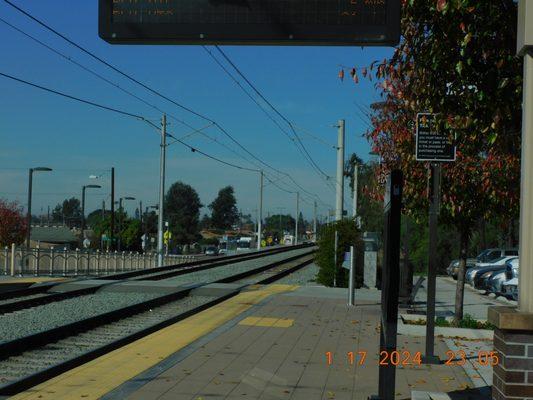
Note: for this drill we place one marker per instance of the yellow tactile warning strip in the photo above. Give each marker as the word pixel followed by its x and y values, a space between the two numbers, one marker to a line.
pixel 267 322
pixel 34 279
pixel 103 374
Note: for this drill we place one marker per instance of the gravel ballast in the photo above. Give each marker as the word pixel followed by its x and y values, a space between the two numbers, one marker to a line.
pixel 47 316
pixel 215 274
pixel 305 276
pixel 33 361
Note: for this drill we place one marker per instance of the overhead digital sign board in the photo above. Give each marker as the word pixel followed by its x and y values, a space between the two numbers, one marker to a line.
pixel 251 22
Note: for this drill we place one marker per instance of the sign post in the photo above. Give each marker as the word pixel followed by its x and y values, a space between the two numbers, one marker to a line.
pixel 390 283
pixel 435 147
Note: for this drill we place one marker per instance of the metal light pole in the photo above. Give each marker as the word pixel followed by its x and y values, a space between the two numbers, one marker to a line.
pixel 355 183
pixel 340 173
pixel 121 213
pixel 314 222
pixel 260 217
pixel 83 205
pixel 297 217
pixel 30 184
pixel 161 191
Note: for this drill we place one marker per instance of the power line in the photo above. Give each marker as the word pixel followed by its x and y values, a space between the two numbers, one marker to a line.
pixel 157 93
pixel 131 78
pixel 289 123
pixel 139 117
pixel 73 97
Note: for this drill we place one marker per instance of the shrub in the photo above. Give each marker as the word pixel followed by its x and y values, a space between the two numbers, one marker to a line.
pixel 348 235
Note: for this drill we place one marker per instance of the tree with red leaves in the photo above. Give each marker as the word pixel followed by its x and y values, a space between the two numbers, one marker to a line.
pixel 12 223
pixel 457 60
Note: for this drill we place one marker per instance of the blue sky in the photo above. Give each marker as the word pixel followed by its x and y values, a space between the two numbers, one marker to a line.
pixel 76 140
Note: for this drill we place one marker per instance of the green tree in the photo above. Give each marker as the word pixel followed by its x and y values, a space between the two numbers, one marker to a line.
pixel 68 212
pixel 131 235
pixel 182 210
pixel 276 225
pixel 224 213
pixel 466 72
pixel 348 235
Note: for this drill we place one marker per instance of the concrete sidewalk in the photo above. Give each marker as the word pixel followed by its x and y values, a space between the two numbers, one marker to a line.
pixel 278 350
pixel 475 303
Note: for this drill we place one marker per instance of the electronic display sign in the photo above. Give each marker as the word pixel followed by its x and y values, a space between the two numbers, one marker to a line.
pixel 251 22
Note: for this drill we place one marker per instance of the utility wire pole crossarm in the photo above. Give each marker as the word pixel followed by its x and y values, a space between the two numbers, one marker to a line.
pixel 161 191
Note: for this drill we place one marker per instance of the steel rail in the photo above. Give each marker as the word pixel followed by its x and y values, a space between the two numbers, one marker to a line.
pixel 42 339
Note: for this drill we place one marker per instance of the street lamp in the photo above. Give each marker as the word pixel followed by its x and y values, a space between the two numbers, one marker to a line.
pixel 30 183
pixel 83 205
pixel 120 223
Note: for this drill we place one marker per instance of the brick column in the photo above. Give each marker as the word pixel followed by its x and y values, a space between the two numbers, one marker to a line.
pixel 513 341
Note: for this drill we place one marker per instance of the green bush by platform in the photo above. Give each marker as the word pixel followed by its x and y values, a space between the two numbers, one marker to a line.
pixel 348 235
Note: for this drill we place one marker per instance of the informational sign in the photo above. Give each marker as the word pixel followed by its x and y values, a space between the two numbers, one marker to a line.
pixel 251 22
pixel 346 263
pixel 431 145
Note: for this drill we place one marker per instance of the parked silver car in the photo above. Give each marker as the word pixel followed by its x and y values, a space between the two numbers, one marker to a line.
pixel 481 268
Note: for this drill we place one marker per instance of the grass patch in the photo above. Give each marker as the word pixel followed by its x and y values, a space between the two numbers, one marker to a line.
pixel 467 322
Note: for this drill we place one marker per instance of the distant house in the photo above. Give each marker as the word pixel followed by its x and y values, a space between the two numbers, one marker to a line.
pixel 52 236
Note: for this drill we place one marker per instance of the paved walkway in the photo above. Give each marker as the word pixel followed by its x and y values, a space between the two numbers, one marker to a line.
pixel 278 350
pixel 475 303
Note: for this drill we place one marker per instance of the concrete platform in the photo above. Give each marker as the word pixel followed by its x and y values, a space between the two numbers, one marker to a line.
pixel 266 343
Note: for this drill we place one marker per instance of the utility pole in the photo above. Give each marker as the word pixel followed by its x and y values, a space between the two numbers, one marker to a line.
pixel 28 216
pixel 260 216
pixel 340 172
pixel 103 209
pixel 314 222
pixel 112 227
pixel 161 191
pixel 355 183
pixel 297 217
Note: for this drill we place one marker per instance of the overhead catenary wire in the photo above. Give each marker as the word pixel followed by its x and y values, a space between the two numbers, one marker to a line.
pixel 122 112
pixel 285 119
pixel 145 86
pixel 270 117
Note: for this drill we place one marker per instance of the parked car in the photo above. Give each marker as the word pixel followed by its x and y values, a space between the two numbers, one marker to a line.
pixel 481 279
pixel 493 254
pixel 495 282
pixel 481 268
pixel 453 269
pixel 211 251
pixel 510 289
pixel 511 269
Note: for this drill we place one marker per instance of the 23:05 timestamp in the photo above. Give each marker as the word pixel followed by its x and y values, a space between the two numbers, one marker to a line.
pixel 406 358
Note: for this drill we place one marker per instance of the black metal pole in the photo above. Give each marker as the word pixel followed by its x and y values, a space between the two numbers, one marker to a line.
pixel 119 223
pixel 112 228
pixel 430 357
pixel 82 212
pixel 28 217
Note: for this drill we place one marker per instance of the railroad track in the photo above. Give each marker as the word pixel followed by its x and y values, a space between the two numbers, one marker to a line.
pixel 31 297
pixel 28 361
